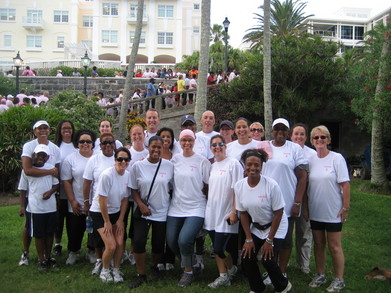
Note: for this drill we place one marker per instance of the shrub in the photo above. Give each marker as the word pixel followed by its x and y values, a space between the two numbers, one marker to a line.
pixel 8 86
pixel 67 71
pixel 16 129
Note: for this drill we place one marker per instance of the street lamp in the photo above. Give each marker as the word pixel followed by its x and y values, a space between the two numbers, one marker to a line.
pixel 85 61
pixel 17 63
pixel 226 23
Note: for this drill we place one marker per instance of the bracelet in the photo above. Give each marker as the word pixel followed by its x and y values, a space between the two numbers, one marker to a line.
pixel 270 242
pixel 345 209
pixel 297 204
pixel 249 240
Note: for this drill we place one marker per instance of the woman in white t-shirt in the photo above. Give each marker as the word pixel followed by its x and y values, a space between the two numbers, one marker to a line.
pixel 220 216
pixel 187 209
pixel 137 150
pixel 244 141
pixel 260 198
pixel 105 126
pixel 328 207
pixel 151 183
pixel 72 170
pixel 108 210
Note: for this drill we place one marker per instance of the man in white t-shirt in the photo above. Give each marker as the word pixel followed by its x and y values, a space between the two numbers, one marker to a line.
pixel 152 120
pixel 208 122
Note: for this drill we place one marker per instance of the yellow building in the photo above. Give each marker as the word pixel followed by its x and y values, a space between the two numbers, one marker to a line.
pixel 45 30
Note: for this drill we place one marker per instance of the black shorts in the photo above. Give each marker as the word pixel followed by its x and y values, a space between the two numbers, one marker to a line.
pixel 99 222
pixel 329 227
pixel 41 225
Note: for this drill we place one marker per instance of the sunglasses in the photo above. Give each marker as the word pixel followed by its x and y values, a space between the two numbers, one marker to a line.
pixel 85 141
pixel 256 130
pixel 120 159
pixel 215 144
pixel 321 137
pixel 108 142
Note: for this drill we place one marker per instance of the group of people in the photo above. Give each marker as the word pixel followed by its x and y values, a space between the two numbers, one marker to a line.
pixel 34 98
pixel 247 194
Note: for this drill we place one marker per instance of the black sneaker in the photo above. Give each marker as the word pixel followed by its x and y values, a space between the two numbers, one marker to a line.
pixel 57 250
pixel 141 279
pixel 51 263
pixel 42 266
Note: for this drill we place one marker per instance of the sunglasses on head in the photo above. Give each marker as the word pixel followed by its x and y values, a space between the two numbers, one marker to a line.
pixel 256 130
pixel 120 159
pixel 321 137
pixel 85 141
pixel 108 142
pixel 215 144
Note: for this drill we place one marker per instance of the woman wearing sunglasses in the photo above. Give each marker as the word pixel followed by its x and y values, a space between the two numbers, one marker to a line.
pixel 257 131
pixel 151 183
pixel 72 170
pixel 328 207
pixel 220 216
pixel 108 210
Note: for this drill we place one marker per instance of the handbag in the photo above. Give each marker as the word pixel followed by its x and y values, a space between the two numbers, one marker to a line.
pixel 137 212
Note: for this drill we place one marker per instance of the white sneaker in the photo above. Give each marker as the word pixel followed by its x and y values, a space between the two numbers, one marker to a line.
pixel 267 280
pixel 232 272
pixel 105 276
pixel 90 256
pixel 118 276
pixel 336 285
pixel 169 267
pixel 72 258
pixel 125 257
pixel 97 267
pixel 160 267
pixel 24 259
pixel 219 282
pixel 131 258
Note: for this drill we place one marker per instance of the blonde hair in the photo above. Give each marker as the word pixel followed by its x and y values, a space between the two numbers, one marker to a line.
pixel 258 124
pixel 323 129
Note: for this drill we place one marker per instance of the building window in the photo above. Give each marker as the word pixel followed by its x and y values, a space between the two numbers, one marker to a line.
pixel 196 29
pixel 166 11
pixel 60 42
pixel 7 41
pixel 359 33
pixel 133 10
pixel 347 32
pixel 88 21
pixel 196 6
pixel 164 38
pixel 61 16
pixel 34 42
pixel 142 37
pixel 34 16
pixel 109 36
pixel 110 8
pixel 7 14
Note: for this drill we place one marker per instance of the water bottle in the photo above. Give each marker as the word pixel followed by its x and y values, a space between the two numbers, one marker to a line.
pixel 89 224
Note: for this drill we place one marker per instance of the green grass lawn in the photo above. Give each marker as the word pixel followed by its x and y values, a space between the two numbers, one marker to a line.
pixel 366 243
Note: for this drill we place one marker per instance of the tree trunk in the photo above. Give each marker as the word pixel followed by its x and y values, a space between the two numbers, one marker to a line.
pixel 378 171
pixel 202 90
pixel 122 132
pixel 267 75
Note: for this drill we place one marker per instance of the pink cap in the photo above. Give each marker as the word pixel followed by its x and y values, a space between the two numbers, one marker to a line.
pixel 186 132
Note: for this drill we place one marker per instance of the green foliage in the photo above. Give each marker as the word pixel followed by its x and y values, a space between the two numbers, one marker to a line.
pixel 16 129
pixel 8 86
pixel 83 112
pixel 67 71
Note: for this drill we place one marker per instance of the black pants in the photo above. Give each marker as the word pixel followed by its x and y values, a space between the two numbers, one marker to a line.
pixel 76 226
pixel 141 229
pixel 252 270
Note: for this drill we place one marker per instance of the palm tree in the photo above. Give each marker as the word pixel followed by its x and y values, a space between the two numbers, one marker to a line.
pixel 286 18
pixel 267 69
pixel 217 33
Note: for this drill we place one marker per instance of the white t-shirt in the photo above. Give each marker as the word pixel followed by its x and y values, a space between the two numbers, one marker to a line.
pixel 235 149
pixel 118 144
pixel 260 202
pixel 137 156
pixel 281 167
pixel 190 174
pixel 308 152
pixel 159 199
pixel 201 146
pixel 95 166
pixel 36 187
pixel 73 169
pixel 54 156
pixel 208 135
pixel 324 191
pixel 66 149
pixel 114 187
pixel 222 179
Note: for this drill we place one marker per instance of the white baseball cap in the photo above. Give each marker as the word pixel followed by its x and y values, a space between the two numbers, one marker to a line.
pixel 39 123
pixel 281 121
pixel 42 148
pixel 10 97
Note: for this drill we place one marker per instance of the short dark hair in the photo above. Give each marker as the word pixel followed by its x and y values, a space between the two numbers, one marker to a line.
pixel 155 138
pixel 122 149
pixel 82 132
pixel 259 153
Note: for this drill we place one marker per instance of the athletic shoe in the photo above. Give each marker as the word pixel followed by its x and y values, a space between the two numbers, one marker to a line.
pixel 141 279
pixel 124 257
pixel 51 263
pixel 24 259
pixel 118 276
pixel 72 258
pixel 219 282
pixel 267 280
pixel 169 267
pixel 97 267
pixel 197 268
pixel 42 266
pixel 336 285
pixel 57 250
pixel 105 276
pixel 161 267
pixel 317 281
pixel 186 280
pixel 232 272
pixel 131 259
pixel 90 256
pixel 156 272
pixel 287 289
